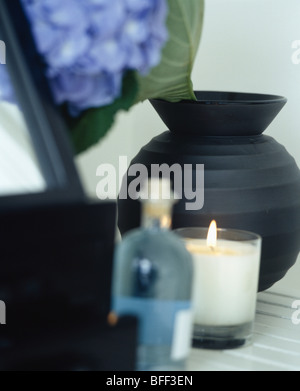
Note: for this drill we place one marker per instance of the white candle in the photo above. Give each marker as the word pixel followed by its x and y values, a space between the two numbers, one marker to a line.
pixel 225 281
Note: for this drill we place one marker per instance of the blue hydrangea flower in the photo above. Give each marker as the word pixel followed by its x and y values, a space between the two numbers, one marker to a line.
pixel 89 45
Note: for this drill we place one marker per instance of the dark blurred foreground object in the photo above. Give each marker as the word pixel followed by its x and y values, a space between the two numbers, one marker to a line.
pixel 56 248
pixel 56 267
pixel 250 181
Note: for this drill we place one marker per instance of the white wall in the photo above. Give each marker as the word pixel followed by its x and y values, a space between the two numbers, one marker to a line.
pixel 246 46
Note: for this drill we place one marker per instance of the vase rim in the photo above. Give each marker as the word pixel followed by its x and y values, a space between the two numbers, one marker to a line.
pixel 230 98
pixel 219 113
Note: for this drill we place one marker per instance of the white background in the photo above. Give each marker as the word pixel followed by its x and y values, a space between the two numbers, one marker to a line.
pixel 246 46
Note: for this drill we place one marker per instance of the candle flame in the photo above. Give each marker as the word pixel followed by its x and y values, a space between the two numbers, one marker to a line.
pixel 212 235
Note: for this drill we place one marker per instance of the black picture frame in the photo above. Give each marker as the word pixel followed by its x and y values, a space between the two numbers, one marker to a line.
pixel 47 128
pixel 56 247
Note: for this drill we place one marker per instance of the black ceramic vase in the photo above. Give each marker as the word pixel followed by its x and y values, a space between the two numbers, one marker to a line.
pixel 250 181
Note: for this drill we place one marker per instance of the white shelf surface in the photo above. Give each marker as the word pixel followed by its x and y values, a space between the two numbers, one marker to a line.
pixel 275 345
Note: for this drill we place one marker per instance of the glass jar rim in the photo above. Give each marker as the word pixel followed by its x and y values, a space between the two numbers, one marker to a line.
pixel 223 233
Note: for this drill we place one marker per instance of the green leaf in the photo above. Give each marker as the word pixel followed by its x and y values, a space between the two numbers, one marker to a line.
pixel 171 79
pixel 95 123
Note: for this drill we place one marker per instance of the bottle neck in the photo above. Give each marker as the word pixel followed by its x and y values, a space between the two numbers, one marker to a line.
pixel 157 215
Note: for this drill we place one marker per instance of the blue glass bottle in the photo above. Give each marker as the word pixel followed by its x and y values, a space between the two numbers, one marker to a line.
pixel 153 281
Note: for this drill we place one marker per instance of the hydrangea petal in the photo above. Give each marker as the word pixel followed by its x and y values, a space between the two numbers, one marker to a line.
pixel 89 45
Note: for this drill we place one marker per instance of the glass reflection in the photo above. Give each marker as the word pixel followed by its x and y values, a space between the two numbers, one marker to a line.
pixel 19 168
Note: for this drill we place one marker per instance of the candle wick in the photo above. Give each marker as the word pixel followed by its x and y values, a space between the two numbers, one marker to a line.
pixel 213 248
